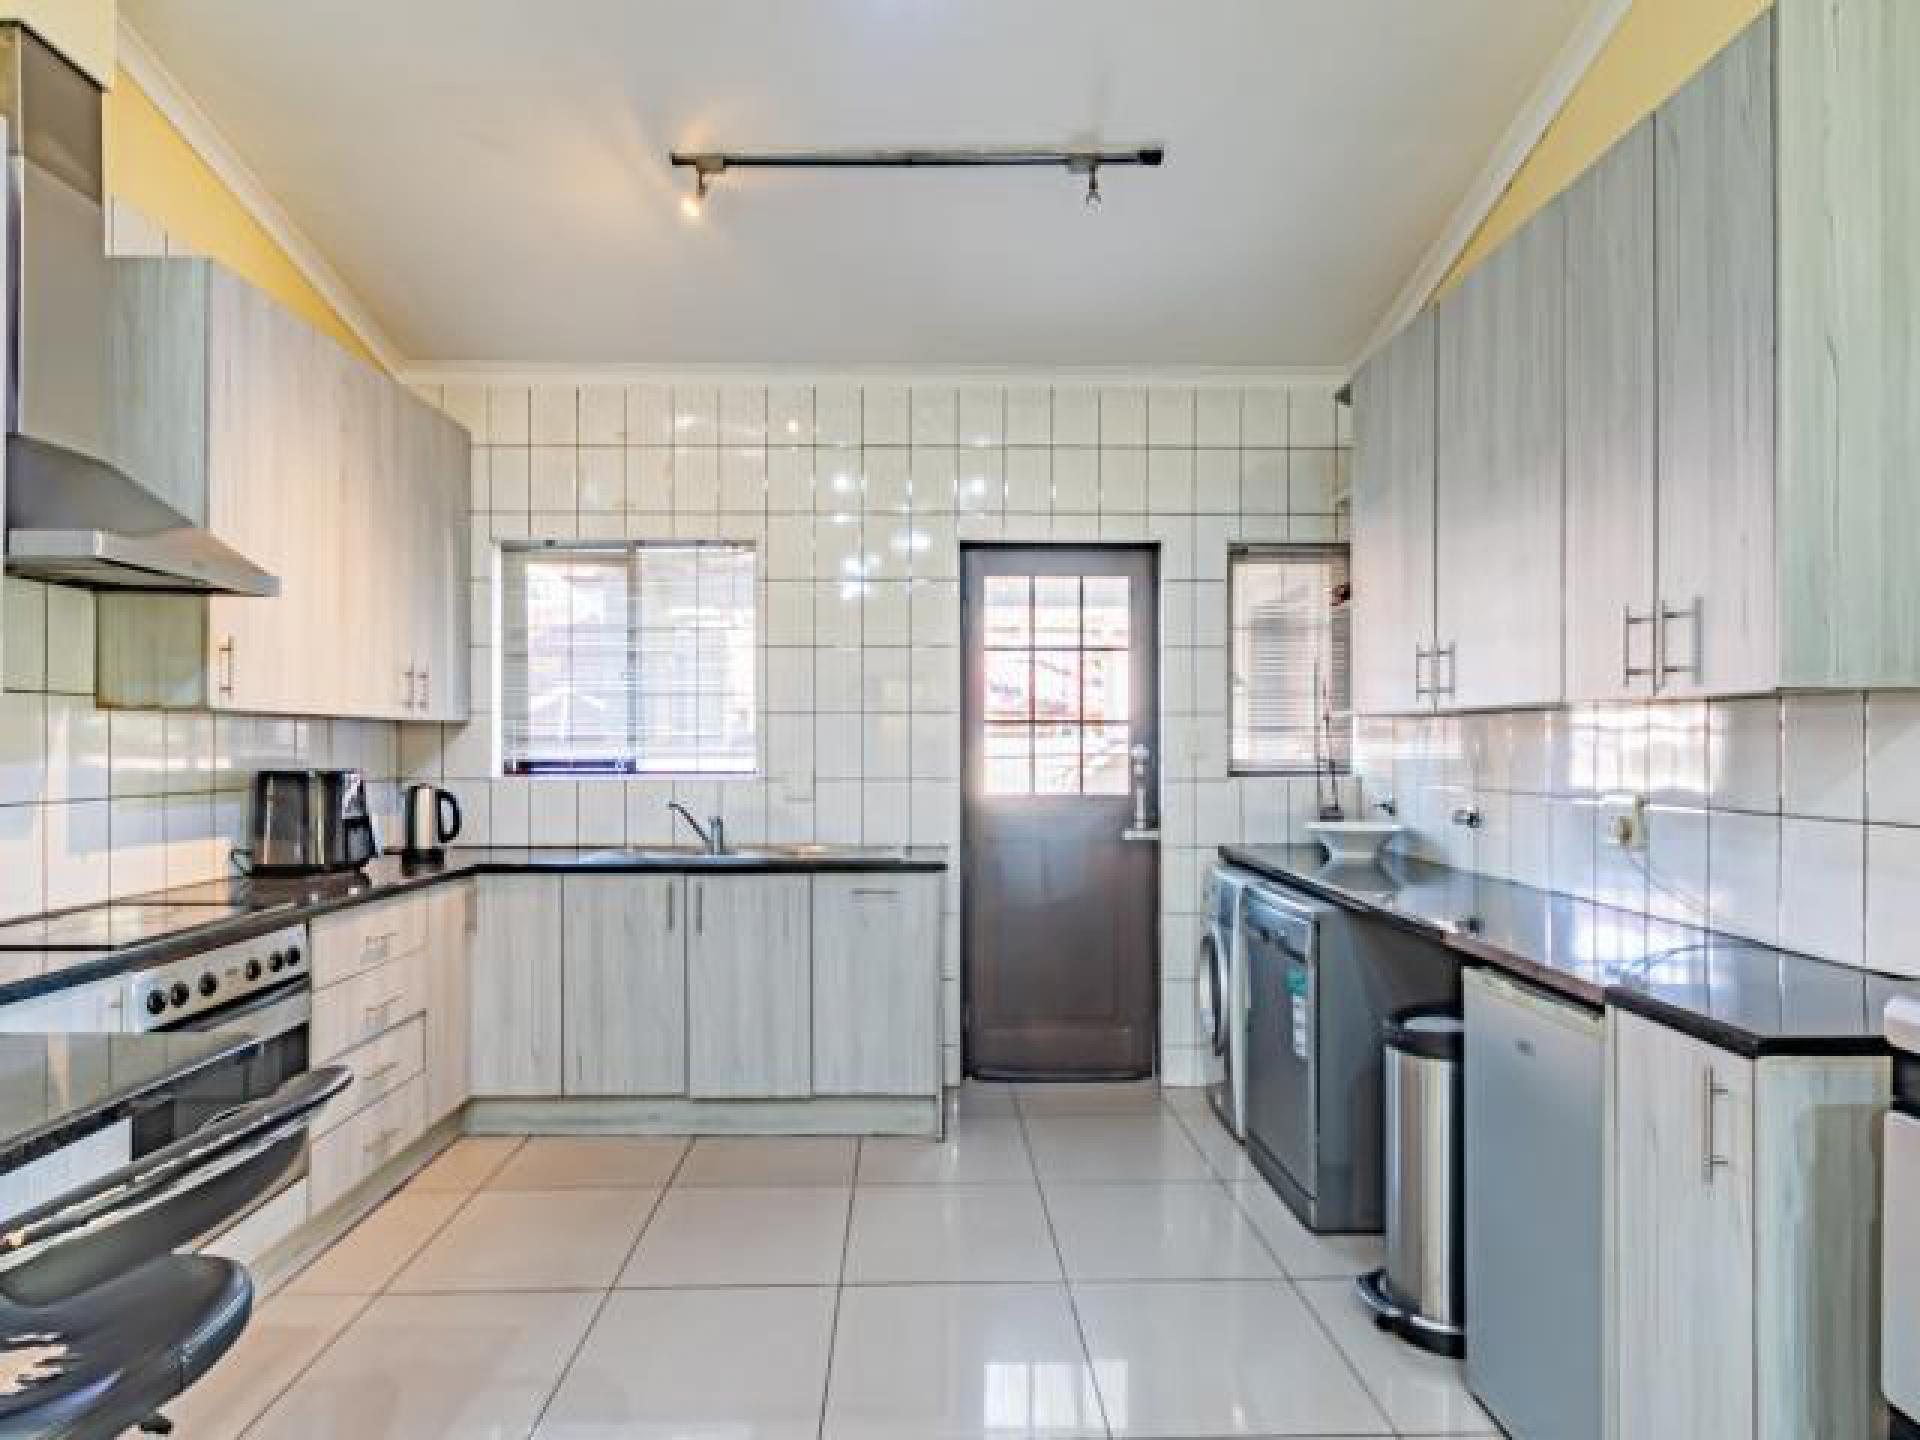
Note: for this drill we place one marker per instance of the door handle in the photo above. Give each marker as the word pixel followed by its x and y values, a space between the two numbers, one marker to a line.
pixel 1711 1092
pixel 1421 690
pixel 226 667
pixel 1629 672
pixel 1144 834
pixel 1452 670
pixel 1667 613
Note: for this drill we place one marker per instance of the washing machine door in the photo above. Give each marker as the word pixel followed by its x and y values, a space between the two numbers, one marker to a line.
pixel 1211 976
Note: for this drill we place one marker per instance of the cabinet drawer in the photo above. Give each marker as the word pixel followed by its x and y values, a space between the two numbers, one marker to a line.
pixel 380 1066
pixel 355 940
pixel 346 1014
pixel 351 1152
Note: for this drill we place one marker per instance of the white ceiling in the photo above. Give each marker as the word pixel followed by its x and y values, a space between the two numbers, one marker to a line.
pixel 490 177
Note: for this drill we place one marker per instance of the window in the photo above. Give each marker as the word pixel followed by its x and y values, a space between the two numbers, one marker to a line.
pixel 1058 692
pixel 627 659
pixel 1289 694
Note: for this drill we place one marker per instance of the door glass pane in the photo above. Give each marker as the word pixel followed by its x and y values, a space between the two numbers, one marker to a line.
pixel 1009 685
pixel 1009 760
pixel 1056 760
pixel 1056 684
pixel 1007 611
pixel 1106 759
pixel 1105 682
pixel 1056 610
pixel 1105 612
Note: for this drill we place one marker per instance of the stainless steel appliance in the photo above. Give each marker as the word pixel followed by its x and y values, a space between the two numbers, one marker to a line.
pixel 1535 1100
pixel 1420 1293
pixel 1900 1237
pixel 92 497
pixel 309 822
pixel 429 818
pixel 1320 985
pixel 1220 994
pixel 259 986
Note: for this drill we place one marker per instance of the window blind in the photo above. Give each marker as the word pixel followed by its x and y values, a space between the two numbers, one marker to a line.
pixel 627 659
pixel 1288 637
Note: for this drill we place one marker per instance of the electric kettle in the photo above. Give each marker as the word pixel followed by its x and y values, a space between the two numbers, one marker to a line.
pixel 429 818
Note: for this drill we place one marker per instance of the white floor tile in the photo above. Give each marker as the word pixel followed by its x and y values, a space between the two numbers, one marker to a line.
pixel 468 1163
pixel 768 1160
pixel 1225 1156
pixel 959 1361
pixel 975 1152
pixel 1088 1098
pixel 560 1162
pixel 1301 1253
pixel 741 1235
pixel 981 1100
pixel 1422 1394
pixel 949 1232
pixel 1179 1231
pixel 364 1260
pixel 1146 1146
pixel 280 1341
pixel 532 1240
pixel 677 1364
pixel 1218 1358
pixel 432 1367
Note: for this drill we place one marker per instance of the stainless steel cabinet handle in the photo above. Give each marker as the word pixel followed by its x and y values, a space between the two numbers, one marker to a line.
pixel 1711 1092
pixel 1452 670
pixel 426 688
pixel 1420 688
pixel 226 667
pixel 699 909
pixel 407 697
pixel 1668 614
pixel 671 887
pixel 1629 672
pixel 877 894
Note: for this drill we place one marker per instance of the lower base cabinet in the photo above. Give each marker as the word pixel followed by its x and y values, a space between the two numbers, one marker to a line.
pixel 749 987
pixel 624 1018
pixel 515 987
pixel 876 991
pixel 1746 1224
pixel 452 921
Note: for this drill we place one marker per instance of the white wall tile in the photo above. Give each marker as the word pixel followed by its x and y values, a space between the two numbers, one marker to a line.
pixel 743 415
pixel 1743 873
pixel 25 640
pixel 22 860
pixel 1676 859
pixel 78 752
pixel 556 415
pixel 1170 416
pixel 696 415
pixel 70 640
pixel 1823 756
pixel 1217 417
pixel 1893 899
pixel 1823 886
pixel 935 415
pixel 1893 758
pixel 1263 417
pixel 886 415
pixel 1029 415
pixel 23 749
pixel 508 420
pixel 837 415
pixel 1076 481
pixel 1743 755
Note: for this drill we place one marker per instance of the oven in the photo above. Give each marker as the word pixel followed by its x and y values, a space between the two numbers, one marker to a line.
pixel 259 987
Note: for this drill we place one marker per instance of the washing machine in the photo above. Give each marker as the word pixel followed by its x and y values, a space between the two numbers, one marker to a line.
pixel 1220 994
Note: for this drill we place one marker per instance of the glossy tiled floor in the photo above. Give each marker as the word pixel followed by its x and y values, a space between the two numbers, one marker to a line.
pixel 1073 1261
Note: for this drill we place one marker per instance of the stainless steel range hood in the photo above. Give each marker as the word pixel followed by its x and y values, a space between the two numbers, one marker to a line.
pixel 76 512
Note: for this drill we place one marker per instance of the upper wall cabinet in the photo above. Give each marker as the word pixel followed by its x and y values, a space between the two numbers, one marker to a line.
pixel 327 474
pixel 1739 319
pixel 1497 510
pixel 1392 505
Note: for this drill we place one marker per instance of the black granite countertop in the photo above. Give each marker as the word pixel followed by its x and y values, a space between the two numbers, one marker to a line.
pixel 1743 996
pixel 236 909
pixel 56 1089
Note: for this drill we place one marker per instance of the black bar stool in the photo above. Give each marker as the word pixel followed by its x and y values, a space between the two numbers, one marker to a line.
pixel 100 1322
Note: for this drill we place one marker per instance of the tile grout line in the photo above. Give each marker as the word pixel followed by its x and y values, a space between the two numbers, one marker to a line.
pixel 839 1288
pixel 613 1286
pixel 1060 1259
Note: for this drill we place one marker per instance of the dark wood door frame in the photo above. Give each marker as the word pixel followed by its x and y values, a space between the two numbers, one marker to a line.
pixel 1060 915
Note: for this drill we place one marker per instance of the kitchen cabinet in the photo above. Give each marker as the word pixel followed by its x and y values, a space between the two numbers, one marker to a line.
pixel 100 1006
pixel 515 987
pixel 876 1000
pixel 1611 586
pixel 452 919
pixel 1500 402
pixel 624 1029
pixel 749 987
pixel 1713 247
pixel 1745 1215
pixel 328 474
pixel 1392 521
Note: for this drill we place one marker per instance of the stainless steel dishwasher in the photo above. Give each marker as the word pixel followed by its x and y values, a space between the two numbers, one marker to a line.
pixel 1535 1088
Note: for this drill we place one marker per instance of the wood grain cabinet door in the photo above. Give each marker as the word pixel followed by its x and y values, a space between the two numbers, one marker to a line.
pixel 625 1015
pixel 876 984
pixel 749 987
pixel 516 987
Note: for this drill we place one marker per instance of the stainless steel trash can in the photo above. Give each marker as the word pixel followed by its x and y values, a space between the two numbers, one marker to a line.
pixel 1420 1292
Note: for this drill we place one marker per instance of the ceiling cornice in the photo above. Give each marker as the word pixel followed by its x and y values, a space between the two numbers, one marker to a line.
pixel 472 373
pixel 1596 26
pixel 200 132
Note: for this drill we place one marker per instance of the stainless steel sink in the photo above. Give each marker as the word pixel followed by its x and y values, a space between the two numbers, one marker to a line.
pixel 694 857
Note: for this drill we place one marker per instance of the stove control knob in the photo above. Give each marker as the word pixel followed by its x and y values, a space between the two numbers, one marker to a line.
pixel 156 1002
pixel 254 969
pixel 293 956
pixel 277 963
pixel 208 984
pixel 179 993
